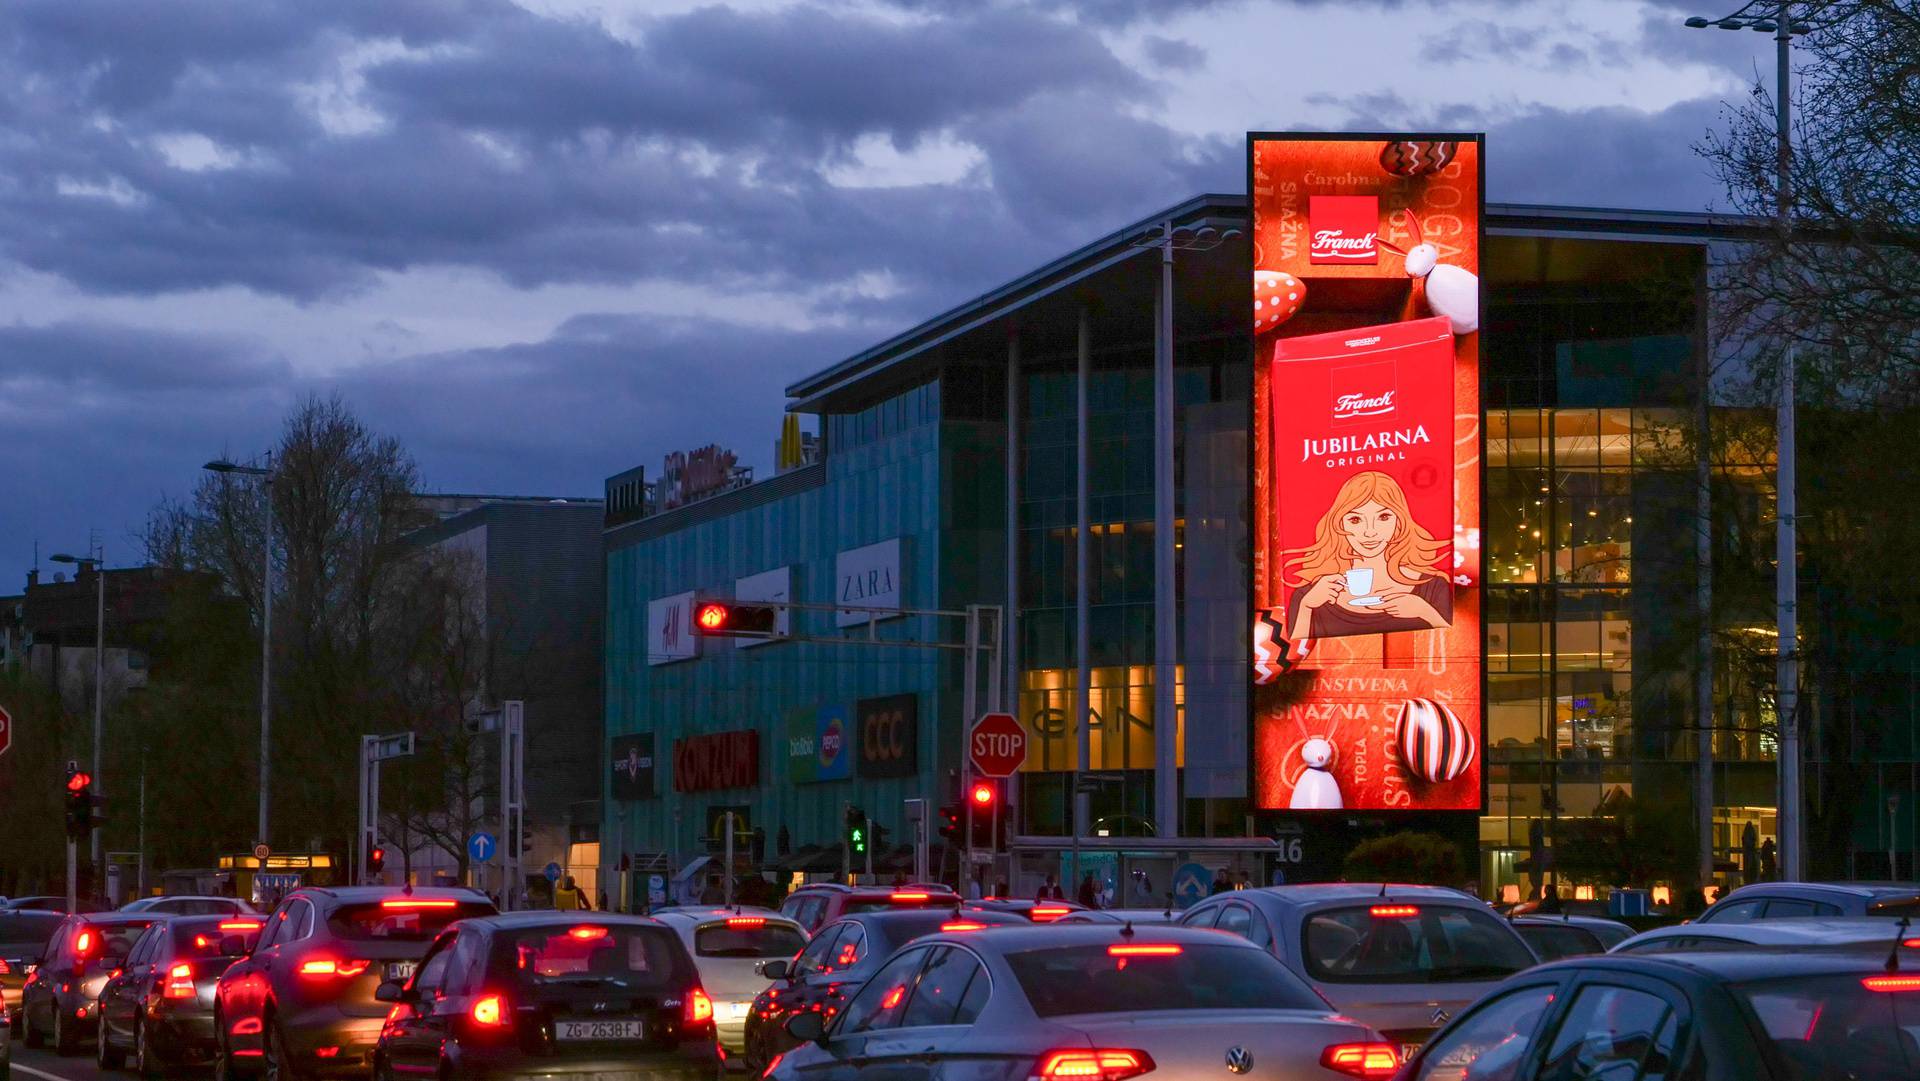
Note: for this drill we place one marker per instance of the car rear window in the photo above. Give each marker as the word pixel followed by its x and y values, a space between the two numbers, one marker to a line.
pixel 1838 1026
pixel 889 904
pixel 1909 907
pixel 1554 942
pixel 26 929
pixel 1393 942
pixel 740 937
pixel 206 938
pixel 574 953
pixel 400 919
pixel 1092 979
pixel 116 939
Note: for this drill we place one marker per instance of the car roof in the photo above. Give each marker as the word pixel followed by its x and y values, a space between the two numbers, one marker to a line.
pixel 1799 930
pixel 34 913
pixel 549 917
pixel 876 891
pixel 1733 965
pixel 1018 938
pixel 1337 892
pixel 709 914
pixel 1867 890
pixel 1535 919
pixel 110 919
pixel 353 895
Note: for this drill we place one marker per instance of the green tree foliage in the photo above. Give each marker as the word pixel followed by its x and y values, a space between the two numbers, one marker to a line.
pixel 1413 858
pixel 1630 840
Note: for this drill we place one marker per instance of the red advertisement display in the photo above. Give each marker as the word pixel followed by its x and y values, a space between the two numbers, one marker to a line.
pixel 1366 458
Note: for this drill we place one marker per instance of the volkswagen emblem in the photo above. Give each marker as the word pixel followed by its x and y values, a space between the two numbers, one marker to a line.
pixel 1439 1016
pixel 1239 1060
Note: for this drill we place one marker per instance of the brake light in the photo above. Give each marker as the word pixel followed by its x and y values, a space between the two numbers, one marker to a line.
pixel 327 966
pixel 83 943
pixel 1149 949
pixel 5 969
pixel 1365 1060
pixel 180 982
pixel 903 896
pixel 1098 1065
pixel 699 1007
pixel 416 902
pixel 962 925
pixel 1048 913
pixel 1911 943
pixel 1891 983
pixel 588 933
pixel 201 942
pixel 747 921
pixel 239 925
pixel 488 1011
pixel 773 1064
pixel 1393 912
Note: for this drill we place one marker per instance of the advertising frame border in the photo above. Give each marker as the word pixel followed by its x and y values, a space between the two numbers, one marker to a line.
pixel 1479 139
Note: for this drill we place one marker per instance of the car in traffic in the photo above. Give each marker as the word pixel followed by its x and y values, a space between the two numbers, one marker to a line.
pixel 302 1001
pixel 157 1007
pixel 1403 959
pixel 1789 900
pixel 1709 1016
pixel 51 904
pixel 188 905
pixel 1142 917
pixel 1033 911
pixel 1555 938
pixel 817 904
pixel 23 938
pixel 729 947
pixel 60 1001
pixel 837 961
pixel 546 994
pixel 1092 1001
pixel 1820 933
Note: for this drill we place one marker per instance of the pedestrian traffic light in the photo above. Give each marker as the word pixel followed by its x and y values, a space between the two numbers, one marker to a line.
pixel 79 803
pixel 951 816
pixel 721 619
pixel 856 831
pixel 376 859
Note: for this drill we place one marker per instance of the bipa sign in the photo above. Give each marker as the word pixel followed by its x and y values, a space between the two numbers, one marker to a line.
pixel 1346 229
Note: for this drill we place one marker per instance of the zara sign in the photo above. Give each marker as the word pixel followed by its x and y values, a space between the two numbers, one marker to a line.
pixel 867 577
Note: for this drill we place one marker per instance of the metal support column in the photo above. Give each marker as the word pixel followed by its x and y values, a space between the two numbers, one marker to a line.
pixel 1703 801
pixel 1083 586
pixel 513 797
pixel 1787 581
pixel 1166 779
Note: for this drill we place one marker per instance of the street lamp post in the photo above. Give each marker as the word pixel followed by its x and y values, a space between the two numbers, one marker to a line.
pixel 265 473
pixel 1787 571
pixel 98 561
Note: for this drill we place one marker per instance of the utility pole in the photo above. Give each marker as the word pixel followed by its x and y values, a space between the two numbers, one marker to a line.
pixel 1787 582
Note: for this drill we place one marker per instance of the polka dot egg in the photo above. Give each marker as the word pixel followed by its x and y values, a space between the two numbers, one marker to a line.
pixel 1277 295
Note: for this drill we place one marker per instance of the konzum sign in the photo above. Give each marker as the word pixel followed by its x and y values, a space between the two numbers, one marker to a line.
pixel 720 760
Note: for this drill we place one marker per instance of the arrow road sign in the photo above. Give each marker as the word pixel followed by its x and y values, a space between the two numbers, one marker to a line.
pixel 552 872
pixel 481 846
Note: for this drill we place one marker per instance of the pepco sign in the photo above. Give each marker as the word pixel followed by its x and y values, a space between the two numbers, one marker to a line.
pixel 720 760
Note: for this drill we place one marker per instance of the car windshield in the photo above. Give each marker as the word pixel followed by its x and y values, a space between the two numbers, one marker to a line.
pixel 27 930
pixel 1132 976
pixel 588 953
pixel 1864 1028
pixel 1554 941
pixel 401 919
pixel 747 936
pixel 1393 942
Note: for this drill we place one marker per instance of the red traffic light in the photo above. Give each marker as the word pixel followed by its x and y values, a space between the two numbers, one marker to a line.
pixel 982 794
pixel 712 617
pixel 79 782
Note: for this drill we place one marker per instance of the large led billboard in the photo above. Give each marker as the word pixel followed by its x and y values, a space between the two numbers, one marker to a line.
pixel 1366 472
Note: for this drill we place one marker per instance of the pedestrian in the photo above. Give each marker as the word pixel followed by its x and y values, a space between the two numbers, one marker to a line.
pixel 568 897
pixel 1050 890
pixel 1088 895
pixel 603 900
pixel 1220 883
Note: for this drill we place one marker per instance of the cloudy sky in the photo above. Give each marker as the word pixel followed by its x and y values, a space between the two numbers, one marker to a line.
pixel 546 240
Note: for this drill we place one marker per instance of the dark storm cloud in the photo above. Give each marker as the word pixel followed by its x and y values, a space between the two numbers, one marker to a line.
pixel 1173 54
pixel 62 358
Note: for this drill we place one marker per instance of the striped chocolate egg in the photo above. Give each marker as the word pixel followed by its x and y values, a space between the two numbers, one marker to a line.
pixel 1434 743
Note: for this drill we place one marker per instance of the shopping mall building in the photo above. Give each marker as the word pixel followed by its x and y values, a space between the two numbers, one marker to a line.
pixel 1027 449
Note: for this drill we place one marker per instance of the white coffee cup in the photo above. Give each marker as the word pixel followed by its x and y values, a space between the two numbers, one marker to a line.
pixel 1360 582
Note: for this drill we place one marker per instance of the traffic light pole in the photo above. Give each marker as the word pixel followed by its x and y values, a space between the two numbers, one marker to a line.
pixel 73 876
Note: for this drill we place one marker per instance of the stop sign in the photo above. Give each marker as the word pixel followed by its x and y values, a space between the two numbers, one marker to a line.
pixel 6 730
pixel 997 745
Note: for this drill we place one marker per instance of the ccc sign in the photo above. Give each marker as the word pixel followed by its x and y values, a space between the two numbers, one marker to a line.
pixel 889 735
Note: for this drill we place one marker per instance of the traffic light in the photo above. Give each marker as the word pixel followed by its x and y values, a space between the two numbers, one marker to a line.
pixel 951 817
pixel 376 859
pixel 983 795
pixel 722 619
pixel 79 803
pixel 857 831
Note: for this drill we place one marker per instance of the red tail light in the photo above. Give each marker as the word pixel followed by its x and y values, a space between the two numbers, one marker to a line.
pixel 327 966
pixel 240 925
pixel 83 943
pixel 699 1007
pixel 773 1064
pixel 1911 943
pixel 417 902
pixel 180 982
pixel 1093 1065
pixel 489 1011
pixel 1393 912
pixel 1364 1060
pixel 587 934
pixel 1048 913
pixel 903 896
pixel 1146 949
pixel 962 925
pixel 747 921
pixel 1891 983
pixel 5 969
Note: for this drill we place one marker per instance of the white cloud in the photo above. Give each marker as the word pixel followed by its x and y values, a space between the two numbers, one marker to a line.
pixel 875 162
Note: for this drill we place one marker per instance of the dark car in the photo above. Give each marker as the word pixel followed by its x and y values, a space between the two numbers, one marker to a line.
pixel 158 1006
pixel 821 903
pixel 191 905
pixel 1033 911
pixel 1717 1016
pixel 1555 938
pixel 837 961
pixel 302 1002
pixel 1787 900
pixel 23 938
pixel 1091 1001
pixel 60 999
pixel 551 995
pixel 50 904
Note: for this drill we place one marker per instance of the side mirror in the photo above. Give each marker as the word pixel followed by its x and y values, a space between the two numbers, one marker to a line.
pixel 392 991
pixel 807 1027
pixel 775 970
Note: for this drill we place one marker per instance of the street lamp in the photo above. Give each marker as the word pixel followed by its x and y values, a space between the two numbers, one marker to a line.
pixel 98 562
pixel 265 473
pixel 1786 575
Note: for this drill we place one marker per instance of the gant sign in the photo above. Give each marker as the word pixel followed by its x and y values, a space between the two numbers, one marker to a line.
pixel 867 577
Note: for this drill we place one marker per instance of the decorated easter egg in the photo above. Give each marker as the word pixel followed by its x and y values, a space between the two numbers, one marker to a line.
pixel 1434 743
pixel 1277 295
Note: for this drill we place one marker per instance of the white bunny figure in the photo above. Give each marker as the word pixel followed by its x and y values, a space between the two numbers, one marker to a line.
pixel 1451 291
pixel 1316 790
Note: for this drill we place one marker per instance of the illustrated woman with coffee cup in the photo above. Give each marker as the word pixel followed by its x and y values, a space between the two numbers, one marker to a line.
pixel 1370 569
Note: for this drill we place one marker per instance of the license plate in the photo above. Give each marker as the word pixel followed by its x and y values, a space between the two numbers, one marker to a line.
pixel 401 970
pixel 599 1030
pixel 1408 1050
pixel 735 1011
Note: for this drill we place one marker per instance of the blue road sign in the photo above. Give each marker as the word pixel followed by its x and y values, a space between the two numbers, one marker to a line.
pixel 1190 884
pixel 481 846
pixel 552 872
